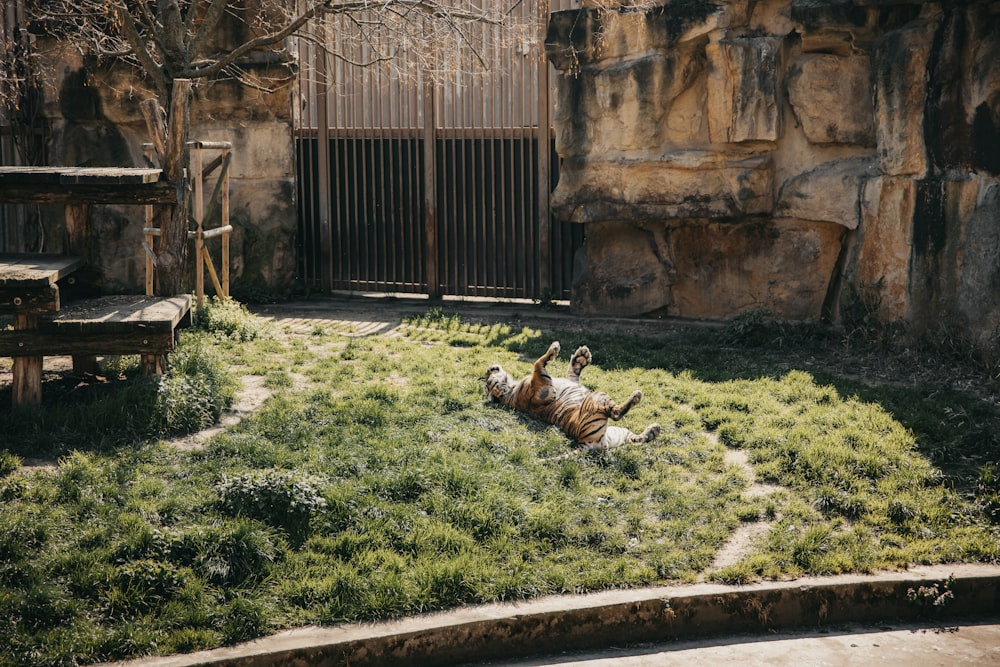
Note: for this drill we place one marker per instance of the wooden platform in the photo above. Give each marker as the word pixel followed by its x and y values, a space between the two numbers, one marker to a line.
pixel 94 185
pixel 28 282
pixel 106 325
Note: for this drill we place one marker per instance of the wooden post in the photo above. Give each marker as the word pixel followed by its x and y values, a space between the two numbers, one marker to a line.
pixel 225 223
pixel 149 251
pixel 199 213
pixel 152 364
pixel 78 243
pixel 27 371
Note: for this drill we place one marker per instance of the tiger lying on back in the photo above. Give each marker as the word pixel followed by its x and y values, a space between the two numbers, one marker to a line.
pixel 580 413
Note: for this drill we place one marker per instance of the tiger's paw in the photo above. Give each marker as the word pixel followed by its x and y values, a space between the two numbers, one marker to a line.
pixel 581 358
pixel 651 433
pixel 553 350
pixel 635 398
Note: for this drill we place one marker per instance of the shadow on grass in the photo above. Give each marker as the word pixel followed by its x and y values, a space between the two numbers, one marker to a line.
pixel 958 432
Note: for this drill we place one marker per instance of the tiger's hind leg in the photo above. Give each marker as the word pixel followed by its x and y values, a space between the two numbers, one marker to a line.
pixel 580 360
pixel 620 411
pixel 616 436
pixel 544 360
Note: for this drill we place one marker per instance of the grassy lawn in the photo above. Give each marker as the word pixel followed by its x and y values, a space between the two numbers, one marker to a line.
pixel 376 482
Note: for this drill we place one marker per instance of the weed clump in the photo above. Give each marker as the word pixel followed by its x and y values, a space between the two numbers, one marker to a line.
pixel 282 498
pixel 230 319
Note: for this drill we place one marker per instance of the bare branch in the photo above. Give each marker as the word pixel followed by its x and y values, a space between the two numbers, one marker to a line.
pixel 135 41
pixel 216 10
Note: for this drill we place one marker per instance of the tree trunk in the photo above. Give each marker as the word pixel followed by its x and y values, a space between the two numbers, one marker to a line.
pixel 170 143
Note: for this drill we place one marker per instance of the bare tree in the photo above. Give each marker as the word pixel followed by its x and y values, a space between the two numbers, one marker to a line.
pixel 176 43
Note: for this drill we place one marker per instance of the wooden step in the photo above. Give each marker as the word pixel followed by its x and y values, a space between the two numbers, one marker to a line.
pixel 28 282
pixel 121 324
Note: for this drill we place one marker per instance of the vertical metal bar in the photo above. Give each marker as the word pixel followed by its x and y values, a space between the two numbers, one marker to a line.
pixel 323 166
pixel 376 221
pixel 505 159
pixel 485 88
pixel 458 266
pixel 544 156
pixel 430 192
pixel 342 169
pixel 391 173
pixel 465 219
pixel 413 255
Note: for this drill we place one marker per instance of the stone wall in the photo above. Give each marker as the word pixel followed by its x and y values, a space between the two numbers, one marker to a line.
pixel 789 155
pixel 94 117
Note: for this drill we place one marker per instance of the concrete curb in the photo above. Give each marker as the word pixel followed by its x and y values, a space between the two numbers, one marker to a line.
pixel 570 623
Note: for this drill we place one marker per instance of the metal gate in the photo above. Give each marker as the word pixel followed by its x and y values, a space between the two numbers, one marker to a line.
pixel 436 185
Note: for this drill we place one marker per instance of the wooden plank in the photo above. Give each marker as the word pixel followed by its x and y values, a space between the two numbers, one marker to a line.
pixel 120 314
pixel 32 344
pixel 160 192
pixel 36 270
pixel 36 299
pixel 217 145
pixel 78 175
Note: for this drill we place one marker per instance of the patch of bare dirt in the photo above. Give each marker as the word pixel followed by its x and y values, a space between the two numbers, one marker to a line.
pixel 746 537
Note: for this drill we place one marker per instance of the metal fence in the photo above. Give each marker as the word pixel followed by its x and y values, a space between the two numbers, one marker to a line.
pixel 432 182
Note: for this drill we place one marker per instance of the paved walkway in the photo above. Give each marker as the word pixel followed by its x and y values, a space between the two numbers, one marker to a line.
pixel 973 643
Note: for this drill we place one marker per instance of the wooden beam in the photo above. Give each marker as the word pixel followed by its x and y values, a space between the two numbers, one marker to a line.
pixel 30 344
pixel 55 193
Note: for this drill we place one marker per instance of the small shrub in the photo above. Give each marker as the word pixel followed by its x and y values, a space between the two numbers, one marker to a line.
pixel 244 619
pixel 230 319
pixel 195 392
pixel 281 498
pixel 9 463
pixel 237 552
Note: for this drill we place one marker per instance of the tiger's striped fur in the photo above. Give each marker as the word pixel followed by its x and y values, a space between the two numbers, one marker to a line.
pixel 578 412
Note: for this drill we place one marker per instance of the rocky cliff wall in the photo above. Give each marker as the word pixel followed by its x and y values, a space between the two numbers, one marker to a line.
pixel 789 155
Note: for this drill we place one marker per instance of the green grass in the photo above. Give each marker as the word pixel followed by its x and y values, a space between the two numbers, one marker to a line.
pixel 377 483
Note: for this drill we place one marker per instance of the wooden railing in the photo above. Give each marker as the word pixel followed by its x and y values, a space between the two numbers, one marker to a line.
pixel 218 205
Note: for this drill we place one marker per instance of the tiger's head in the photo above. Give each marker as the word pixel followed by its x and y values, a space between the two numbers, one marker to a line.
pixel 499 384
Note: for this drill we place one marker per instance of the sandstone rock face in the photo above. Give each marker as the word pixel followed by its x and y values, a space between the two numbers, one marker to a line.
pixel 627 105
pixel 701 269
pixel 784 154
pixel 977 286
pixel 685 184
pixel 743 89
pixel 829 193
pixel 900 69
pixel 882 269
pixel 818 83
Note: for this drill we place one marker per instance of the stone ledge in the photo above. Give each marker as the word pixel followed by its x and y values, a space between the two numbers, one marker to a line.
pixel 561 623
pixel 681 184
